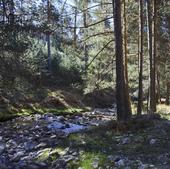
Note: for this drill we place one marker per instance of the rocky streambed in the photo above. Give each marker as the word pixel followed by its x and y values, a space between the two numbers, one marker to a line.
pixel 78 142
pixel 24 139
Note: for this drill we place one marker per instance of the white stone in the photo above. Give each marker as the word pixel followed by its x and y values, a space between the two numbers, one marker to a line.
pixel 49 119
pixel 120 163
pixel 60 118
pixel 152 141
pixel 2 148
pixel 74 128
pixel 18 155
pixel 142 166
pixel 110 158
pixel 126 140
pixel 95 164
pixel 55 125
pixel 127 167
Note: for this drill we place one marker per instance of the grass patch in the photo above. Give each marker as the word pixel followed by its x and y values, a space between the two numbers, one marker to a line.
pixel 42 100
pixel 50 154
pixel 25 112
pixel 134 107
pixel 89 160
pixel 7 115
pixel 164 111
pixel 98 145
pixel 56 152
pixel 44 155
pixel 93 141
pixel 56 111
pixel 64 111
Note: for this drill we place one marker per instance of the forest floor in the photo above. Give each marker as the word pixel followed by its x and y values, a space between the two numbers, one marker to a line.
pixel 44 100
pixel 57 131
pixel 46 141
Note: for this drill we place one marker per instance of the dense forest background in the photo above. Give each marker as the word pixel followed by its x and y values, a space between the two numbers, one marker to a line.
pixel 84 84
pixel 71 44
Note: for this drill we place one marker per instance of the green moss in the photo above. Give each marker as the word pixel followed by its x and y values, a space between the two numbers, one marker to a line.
pixel 61 111
pixel 56 111
pixel 58 150
pixel 87 159
pixel 44 155
pixel 165 115
pixel 25 112
pixel 76 137
pixel 87 142
pixel 6 114
pixel 50 154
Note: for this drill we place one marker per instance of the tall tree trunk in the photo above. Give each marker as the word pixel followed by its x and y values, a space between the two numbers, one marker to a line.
pixel 11 14
pixel 123 107
pixel 125 48
pixel 49 51
pixel 140 89
pixel 158 87
pixel 48 36
pixel 125 39
pixel 167 92
pixel 85 44
pixel 154 52
pixel 4 11
pixel 152 99
pixel 75 28
pixel 158 56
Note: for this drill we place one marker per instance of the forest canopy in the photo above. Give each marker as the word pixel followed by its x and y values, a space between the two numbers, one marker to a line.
pixel 90 45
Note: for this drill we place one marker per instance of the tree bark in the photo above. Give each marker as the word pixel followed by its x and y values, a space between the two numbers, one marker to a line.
pixel 154 52
pixel 125 39
pixel 11 14
pixel 125 48
pixel 167 92
pixel 122 95
pixel 85 44
pixel 158 87
pixel 48 36
pixel 4 11
pixel 140 87
pixel 75 29
pixel 49 51
pixel 152 99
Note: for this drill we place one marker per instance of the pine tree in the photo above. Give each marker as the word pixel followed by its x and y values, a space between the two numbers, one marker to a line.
pixel 122 95
pixel 140 87
pixel 152 95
